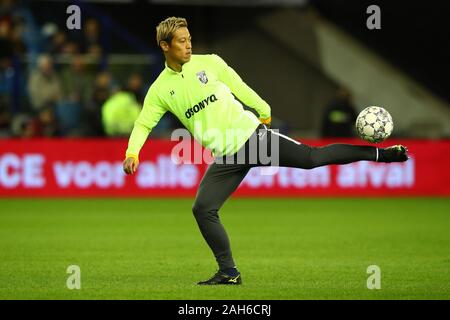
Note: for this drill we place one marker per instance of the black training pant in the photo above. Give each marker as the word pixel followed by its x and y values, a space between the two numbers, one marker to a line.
pixel 222 178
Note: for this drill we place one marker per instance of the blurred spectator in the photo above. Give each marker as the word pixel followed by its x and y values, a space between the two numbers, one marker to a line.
pixel 96 59
pixel 135 85
pixel 45 124
pixel 17 32
pixel 44 84
pixel 76 82
pixel 102 88
pixel 17 38
pixel 5 117
pixel 91 36
pixel 6 87
pixel 6 74
pixel 339 116
pixel 22 126
pixel 70 48
pixel 57 43
pixel 6 44
pixel 92 113
pixel 11 29
pixel 24 34
pixel 42 125
pixel 119 113
pixel 76 91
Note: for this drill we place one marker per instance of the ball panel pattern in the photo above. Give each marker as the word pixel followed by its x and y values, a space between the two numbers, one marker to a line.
pixel 374 124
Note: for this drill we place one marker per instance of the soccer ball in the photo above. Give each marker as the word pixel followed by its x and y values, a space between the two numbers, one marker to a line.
pixel 374 124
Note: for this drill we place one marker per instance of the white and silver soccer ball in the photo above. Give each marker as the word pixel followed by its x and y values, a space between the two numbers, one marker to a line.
pixel 374 124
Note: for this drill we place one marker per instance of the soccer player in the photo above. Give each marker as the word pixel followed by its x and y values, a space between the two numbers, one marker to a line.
pixel 198 90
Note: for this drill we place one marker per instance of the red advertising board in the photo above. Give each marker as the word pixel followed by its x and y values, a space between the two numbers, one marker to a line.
pixel 93 167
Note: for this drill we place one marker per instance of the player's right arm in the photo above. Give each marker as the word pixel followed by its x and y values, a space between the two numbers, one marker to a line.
pixel 149 116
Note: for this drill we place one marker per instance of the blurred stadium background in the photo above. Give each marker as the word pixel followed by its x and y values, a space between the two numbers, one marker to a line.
pixel 68 100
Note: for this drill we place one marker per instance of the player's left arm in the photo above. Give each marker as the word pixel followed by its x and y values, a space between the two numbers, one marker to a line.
pixel 241 90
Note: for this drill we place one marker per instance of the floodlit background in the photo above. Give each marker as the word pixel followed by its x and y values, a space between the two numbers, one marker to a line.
pixel 296 234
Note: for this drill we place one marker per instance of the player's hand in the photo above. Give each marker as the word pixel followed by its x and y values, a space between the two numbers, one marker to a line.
pixel 130 165
pixel 266 121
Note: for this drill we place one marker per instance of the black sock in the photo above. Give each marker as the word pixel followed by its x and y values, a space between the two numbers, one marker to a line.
pixel 381 155
pixel 232 272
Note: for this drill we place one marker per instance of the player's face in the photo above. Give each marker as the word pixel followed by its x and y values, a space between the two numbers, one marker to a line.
pixel 180 49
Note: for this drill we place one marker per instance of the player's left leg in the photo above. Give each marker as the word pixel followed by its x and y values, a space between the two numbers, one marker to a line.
pixel 292 153
pixel 218 183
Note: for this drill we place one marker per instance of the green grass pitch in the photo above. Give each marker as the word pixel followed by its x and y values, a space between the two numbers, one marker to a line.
pixel 286 249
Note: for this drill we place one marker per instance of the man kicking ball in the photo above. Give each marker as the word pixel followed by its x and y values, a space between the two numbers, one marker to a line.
pixel 198 90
